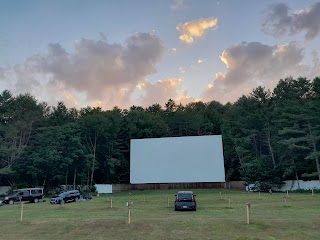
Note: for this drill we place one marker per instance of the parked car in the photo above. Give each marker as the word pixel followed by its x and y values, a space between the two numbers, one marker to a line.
pixel 185 200
pixel 26 194
pixel 87 197
pixel 64 197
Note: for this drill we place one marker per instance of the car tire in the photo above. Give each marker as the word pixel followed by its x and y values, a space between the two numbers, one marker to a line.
pixel 11 201
pixel 35 200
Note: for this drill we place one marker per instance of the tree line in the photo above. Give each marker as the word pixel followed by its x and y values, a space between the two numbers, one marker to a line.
pixel 268 137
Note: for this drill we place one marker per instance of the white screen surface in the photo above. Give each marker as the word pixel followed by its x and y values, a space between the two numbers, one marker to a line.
pixel 177 160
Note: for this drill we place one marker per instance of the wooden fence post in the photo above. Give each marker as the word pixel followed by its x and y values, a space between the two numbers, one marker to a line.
pixel 21 211
pixel 130 205
pixel 129 214
pixel 248 212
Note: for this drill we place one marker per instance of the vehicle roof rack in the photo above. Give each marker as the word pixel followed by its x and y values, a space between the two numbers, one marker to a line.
pixel 28 189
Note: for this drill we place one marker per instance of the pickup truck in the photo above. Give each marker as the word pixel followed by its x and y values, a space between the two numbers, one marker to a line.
pixel 26 194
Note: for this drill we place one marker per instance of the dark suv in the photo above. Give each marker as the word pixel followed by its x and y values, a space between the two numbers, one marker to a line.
pixel 185 200
pixel 64 197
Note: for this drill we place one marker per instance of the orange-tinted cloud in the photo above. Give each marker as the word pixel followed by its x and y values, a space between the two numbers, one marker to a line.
pixel 186 38
pixel 163 90
pixel 249 65
pixel 195 29
pixel 96 72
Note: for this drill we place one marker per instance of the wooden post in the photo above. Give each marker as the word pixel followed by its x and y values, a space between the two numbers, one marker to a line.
pixel 229 201
pixel 287 194
pixel 111 202
pixel 129 214
pixel 220 196
pixel 312 193
pixel 248 212
pixel 144 198
pixel 167 201
pixel 21 212
pixel 259 195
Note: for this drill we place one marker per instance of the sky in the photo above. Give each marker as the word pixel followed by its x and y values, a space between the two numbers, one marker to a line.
pixel 123 52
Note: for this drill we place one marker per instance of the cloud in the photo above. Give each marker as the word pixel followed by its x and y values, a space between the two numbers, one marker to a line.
pixel 161 91
pixel 182 70
pixel 279 21
pixel 177 5
pixel 184 98
pixel 195 29
pixel 2 73
pixel 172 50
pixel 249 65
pixel 96 71
pixel 315 70
pixel 186 38
pixel 71 100
pixel 26 79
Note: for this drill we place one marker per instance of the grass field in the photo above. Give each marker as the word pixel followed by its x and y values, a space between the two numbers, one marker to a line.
pixel 271 217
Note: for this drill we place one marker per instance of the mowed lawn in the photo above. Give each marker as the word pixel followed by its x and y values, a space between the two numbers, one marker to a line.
pixel 151 218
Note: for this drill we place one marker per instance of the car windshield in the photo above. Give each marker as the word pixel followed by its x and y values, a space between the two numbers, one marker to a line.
pixel 63 194
pixel 184 196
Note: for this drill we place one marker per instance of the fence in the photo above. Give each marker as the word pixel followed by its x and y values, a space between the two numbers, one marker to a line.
pixel 292 185
pixel 295 185
pixel 238 185
pixel 164 186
